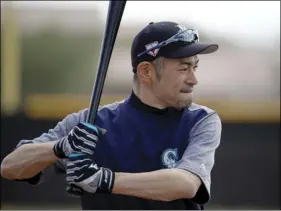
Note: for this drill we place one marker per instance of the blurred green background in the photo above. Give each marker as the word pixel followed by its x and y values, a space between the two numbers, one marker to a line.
pixel 49 54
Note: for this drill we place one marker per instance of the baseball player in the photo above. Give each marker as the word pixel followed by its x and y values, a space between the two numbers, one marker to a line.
pixel 153 150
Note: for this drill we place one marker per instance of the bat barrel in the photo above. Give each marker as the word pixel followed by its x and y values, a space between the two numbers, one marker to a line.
pixel 115 12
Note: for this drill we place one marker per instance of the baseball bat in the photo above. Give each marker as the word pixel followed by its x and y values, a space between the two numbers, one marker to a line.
pixel 114 16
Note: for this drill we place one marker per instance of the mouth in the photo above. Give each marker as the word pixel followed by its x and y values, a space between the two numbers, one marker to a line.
pixel 186 91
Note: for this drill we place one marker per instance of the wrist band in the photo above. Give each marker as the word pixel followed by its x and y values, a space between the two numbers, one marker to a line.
pixel 107 181
pixel 58 149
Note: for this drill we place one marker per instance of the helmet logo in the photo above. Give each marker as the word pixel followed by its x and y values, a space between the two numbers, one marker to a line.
pixel 154 52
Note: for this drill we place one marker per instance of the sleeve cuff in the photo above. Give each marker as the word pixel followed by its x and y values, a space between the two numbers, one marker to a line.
pixel 203 194
pixel 33 180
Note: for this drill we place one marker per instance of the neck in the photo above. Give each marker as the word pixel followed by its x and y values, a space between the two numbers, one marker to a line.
pixel 147 97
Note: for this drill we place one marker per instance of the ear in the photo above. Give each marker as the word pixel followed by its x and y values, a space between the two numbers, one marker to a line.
pixel 145 71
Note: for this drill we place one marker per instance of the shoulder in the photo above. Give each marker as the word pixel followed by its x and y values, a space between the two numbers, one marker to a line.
pixel 199 111
pixel 200 108
pixel 197 114
pixel 103 111
pixel 115 106
pixel 82 114
pixel 207 118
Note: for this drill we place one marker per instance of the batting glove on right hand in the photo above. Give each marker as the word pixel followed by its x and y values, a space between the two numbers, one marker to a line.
pixel 83 138
pixel 82 172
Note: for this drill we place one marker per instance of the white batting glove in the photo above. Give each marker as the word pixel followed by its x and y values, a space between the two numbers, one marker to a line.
pixel 83 172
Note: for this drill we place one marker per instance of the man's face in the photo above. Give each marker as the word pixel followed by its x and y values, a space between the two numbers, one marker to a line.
pixel 175 82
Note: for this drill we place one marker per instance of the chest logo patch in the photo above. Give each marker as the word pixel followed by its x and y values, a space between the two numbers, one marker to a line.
pixel 170 158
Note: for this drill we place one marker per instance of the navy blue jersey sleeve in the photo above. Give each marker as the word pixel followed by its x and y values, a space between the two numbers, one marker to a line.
pixel 199 157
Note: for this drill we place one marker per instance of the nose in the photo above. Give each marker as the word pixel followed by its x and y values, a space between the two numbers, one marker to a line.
pixel 191 78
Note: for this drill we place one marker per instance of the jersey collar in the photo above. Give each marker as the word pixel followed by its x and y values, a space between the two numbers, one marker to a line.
pixel 138 104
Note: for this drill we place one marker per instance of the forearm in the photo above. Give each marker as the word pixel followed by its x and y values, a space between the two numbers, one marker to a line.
pixel 28 160
pixel 162 185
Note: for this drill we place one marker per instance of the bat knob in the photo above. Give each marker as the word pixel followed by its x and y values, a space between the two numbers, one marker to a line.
pixel 74 190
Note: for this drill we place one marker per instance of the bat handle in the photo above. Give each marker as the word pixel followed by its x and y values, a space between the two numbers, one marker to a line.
pixel 74 190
